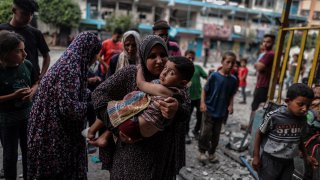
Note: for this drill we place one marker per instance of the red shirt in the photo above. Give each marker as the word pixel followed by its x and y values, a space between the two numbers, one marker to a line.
pixel 109 48
pixel 243 72
pixel 264 76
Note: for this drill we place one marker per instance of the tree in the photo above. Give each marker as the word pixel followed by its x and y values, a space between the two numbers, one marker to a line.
pixel 63 14
pixel 123 22
pixel 5 11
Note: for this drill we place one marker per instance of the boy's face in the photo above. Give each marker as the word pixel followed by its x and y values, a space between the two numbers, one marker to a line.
pixel 299 106
pixel 190 56
pixel 228 63
pixel 163 33
pixel 21 16
pixel 243 63
pixel 170 76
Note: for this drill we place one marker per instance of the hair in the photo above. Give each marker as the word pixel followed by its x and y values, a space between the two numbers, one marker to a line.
pixel 117 31
pixel 184 66
pixel 8 42
pixel 299 89
pixel 27 5
pixel 189 51
pixel 229 53
pixel 160 24
pixel 134 29
pixel 245 60
pixel 273 37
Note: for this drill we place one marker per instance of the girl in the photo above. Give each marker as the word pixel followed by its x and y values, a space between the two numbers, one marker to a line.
pixel 18 83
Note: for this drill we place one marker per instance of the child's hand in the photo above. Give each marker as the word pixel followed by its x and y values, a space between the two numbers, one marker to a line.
pixel 313 162
pixel 230 109
pixel 203 107
pixel 256 163
pixel 91 134
pixel 168 107
pixel 29 96
pixel 21 93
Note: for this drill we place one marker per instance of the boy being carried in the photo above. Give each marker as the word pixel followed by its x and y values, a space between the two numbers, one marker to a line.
pixel 175 76
pixel 280 136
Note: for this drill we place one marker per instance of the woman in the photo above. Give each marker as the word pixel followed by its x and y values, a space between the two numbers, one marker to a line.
pixel 130 54
pixel 56 148
pixel 162 155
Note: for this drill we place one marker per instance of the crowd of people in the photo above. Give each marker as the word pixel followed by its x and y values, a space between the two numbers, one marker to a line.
pixel 138 94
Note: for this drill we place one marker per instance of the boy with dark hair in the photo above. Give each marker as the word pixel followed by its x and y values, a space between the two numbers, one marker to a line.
pixel 280 136
pixel 216 101
pixel 195 94
pixel 161 28
pixel 110 47
pixel 23 11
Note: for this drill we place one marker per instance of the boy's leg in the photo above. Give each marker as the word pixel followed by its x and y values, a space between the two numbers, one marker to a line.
pixel 198 116
pixel 10 151
pixel 243 91
pixel 23 146
pixel 288 170
pixel 270 168
pixel 189 119
pixel 205 133
pixel 217 123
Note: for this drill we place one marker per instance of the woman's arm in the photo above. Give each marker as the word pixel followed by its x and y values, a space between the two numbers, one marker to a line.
pixel 151 88
pixel 17 94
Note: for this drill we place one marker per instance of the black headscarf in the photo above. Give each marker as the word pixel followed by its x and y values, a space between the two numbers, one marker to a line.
pixel 145 47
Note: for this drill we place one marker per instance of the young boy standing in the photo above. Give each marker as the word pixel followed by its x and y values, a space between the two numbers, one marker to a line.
pixel 216 100
pixel 195 95
pixel 280 136
pixel 243 72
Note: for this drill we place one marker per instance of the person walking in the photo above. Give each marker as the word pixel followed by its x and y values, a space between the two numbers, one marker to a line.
pixel 195 95
pixel 216 101
pixel 162 155
pixel 56 148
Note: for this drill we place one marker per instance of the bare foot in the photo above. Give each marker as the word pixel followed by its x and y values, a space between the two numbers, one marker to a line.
pixel 99 142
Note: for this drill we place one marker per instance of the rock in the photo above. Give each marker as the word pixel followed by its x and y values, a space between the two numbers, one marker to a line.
pixel 189 169
pixel 205 173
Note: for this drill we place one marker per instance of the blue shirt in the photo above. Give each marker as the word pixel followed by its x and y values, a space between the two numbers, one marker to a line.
pixel 219 89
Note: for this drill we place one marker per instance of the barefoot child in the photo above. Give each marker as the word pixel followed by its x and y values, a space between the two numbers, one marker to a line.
pixel 280 136
pixel 176 74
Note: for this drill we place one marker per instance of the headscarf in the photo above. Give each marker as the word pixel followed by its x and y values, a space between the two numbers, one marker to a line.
pixel 78 56
pixel 145 47
pixel 124 57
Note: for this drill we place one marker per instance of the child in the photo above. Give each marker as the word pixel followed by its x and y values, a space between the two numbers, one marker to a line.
pixel 279 136
pixel 175 76
pixel 312 132
pixel 243 72
pixel 17 86
pixel 195 94
pixel 216 100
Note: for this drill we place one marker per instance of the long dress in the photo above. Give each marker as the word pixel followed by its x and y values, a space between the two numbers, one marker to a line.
pixel 158 157
pixel 56 148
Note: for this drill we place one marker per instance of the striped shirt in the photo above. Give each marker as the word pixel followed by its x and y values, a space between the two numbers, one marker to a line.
pixel 282 132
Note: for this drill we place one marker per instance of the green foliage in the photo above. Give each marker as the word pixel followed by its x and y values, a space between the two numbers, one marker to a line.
pixel 5 11
pixel 63 13
pixel 297 37
pixel 123 22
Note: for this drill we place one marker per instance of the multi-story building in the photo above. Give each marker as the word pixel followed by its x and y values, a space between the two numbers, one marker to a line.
pixel 221 25
pixel 311 9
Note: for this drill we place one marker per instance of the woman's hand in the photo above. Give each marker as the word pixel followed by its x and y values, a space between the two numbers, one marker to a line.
pixel 168 107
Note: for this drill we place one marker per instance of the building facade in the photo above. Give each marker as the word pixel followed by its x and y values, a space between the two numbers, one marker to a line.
pixel 237 25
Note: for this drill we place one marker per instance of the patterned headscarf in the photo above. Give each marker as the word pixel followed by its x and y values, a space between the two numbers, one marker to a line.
pixel 124 57
pixel 78 56
pixel 145 47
